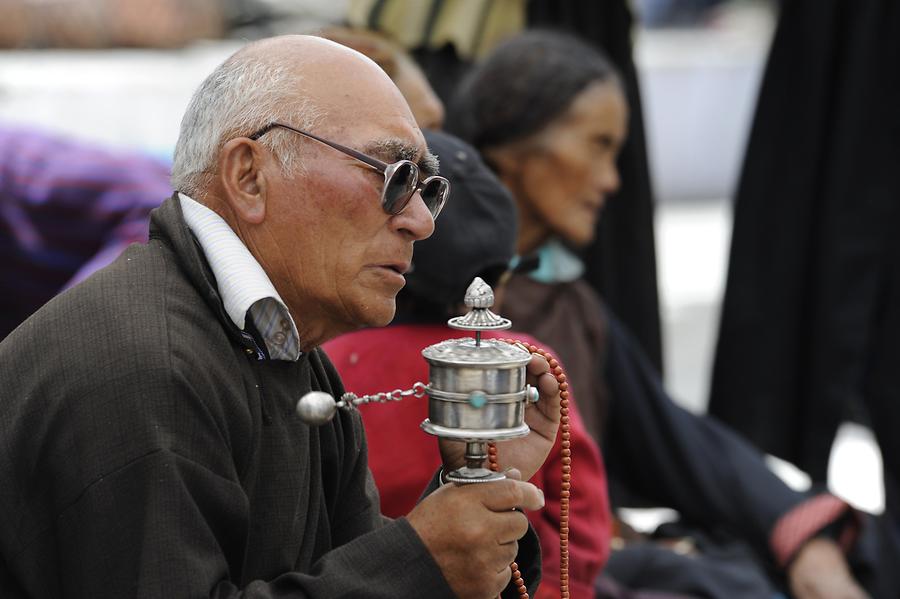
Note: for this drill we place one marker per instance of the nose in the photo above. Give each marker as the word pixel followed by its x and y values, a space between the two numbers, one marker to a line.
pixel 415 219
pixel 608 179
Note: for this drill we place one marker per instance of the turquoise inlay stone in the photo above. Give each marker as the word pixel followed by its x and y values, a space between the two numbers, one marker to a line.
pixel 477 399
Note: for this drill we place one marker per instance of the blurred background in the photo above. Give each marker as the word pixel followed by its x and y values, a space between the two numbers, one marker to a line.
pixel 120 73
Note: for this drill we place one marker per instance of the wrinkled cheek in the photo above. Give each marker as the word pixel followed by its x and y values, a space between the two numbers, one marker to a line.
pixel 360 294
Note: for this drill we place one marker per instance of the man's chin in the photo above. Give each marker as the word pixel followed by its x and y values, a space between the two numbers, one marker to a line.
pixel 380 316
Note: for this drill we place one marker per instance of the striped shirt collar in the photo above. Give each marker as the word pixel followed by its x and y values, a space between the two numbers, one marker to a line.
pixel 243 284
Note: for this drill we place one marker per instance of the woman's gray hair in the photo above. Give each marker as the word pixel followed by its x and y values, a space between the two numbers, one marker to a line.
pixel 526 83
pixel 237 99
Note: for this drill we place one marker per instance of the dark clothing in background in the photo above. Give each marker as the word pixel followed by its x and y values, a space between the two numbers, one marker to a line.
pixel 810 327
pixel 664 455
pixel 147 449
pixel 571 314
pixel 607 588
pixel 678 459
pixel 719 568
pixel 810 323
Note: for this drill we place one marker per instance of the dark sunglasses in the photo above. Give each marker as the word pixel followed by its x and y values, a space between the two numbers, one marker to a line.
pixel 401 179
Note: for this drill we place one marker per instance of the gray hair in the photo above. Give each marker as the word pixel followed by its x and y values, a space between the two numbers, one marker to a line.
pixel 237 99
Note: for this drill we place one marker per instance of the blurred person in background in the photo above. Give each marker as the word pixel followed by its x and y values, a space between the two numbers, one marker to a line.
pixel 67 208
pixel 159 24
pixel 548 113
pixel 476 237
pixel 110 23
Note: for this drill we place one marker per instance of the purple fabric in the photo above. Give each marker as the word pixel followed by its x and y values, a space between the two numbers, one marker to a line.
pixel 67 208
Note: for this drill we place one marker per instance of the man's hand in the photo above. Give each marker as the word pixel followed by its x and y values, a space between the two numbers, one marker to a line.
pixel 526 454
pixel 820 572
pixel 472 531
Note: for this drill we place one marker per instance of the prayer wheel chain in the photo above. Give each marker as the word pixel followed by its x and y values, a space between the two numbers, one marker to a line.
pixel 557 371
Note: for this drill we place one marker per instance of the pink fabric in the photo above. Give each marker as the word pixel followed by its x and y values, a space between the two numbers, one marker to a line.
pixel 799 525
pixel 403 458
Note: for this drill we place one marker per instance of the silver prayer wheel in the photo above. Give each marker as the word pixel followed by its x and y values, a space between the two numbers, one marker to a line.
pixel 476 389
pixel 476 392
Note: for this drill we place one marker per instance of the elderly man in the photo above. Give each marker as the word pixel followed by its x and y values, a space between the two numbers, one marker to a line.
pixel 148 443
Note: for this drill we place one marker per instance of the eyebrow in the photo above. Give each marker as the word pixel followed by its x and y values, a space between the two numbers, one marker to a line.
pixel 429 164
pixel 393 150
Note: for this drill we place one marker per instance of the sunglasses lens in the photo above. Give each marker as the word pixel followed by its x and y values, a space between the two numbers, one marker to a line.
pixel 434 194
pixel 399 187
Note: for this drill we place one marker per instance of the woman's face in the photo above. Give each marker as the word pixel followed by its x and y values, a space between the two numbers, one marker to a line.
pixel 562 175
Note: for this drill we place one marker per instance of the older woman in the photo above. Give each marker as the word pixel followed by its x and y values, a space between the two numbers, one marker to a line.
pixel 547 112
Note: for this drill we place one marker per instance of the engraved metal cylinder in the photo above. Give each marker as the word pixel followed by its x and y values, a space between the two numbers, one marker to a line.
pixel 476 390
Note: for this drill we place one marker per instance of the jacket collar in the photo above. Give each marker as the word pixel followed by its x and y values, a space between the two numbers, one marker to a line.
pixel 168 226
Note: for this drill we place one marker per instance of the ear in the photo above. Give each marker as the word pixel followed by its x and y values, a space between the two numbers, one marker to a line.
pixel 243 179
pixel 506 160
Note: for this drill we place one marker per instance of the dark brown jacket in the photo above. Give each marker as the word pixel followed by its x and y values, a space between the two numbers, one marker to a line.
pixel 147 451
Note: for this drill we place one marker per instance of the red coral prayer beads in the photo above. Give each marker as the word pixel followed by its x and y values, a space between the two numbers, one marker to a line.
pixel 557 371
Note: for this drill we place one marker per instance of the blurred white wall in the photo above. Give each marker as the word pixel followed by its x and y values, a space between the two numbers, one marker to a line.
pixel 699 89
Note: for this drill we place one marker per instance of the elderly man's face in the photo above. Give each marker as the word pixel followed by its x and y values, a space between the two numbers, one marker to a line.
pixel 332 252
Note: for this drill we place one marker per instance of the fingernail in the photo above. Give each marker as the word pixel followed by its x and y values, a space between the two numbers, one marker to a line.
pixel 542 497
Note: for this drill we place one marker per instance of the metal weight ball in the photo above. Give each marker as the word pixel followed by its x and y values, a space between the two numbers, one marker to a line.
pixel 316 408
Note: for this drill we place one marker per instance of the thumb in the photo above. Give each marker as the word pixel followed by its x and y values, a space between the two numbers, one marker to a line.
pixel 513 473
pixel 510 494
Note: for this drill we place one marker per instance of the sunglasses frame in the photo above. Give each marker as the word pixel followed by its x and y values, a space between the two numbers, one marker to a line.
pixel 388 170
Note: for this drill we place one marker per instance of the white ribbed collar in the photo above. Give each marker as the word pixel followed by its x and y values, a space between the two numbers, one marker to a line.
pixel 242 282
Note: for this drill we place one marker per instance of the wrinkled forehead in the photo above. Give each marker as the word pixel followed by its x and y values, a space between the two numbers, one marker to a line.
pixel 361 106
